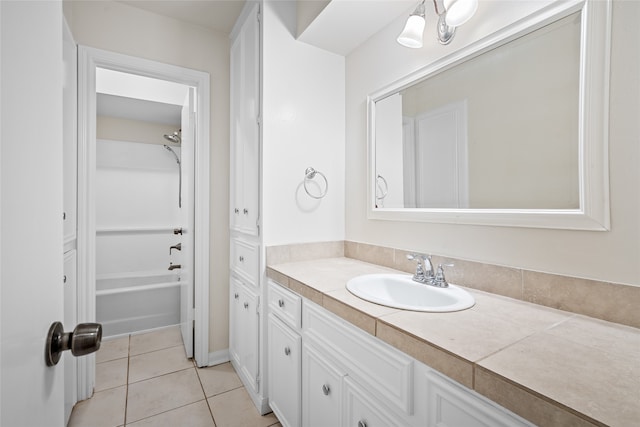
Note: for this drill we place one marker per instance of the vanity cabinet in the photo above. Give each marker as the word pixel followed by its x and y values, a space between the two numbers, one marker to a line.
pixel 347 377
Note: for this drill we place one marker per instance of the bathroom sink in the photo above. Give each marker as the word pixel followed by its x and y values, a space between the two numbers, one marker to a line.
pixel 400 291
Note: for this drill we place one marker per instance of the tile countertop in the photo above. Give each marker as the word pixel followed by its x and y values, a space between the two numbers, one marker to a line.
pixel 549 366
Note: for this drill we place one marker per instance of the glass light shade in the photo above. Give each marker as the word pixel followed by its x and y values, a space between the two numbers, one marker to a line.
pixel 459 11
pixel 411 36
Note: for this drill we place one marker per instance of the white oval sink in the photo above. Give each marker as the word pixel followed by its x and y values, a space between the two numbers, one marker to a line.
pixel 400 291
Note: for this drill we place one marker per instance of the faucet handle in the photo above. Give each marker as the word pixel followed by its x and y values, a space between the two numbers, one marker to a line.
pixel 417 256
pixel 440 281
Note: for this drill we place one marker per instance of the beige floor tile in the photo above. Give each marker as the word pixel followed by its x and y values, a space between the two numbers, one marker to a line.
pixel 161 394
pixel 113 349
pixel 104 409
pixel 235 409
pixel 111 374
pixel 156 363
pixel 157 340
pixel 193 415
pixel 219 379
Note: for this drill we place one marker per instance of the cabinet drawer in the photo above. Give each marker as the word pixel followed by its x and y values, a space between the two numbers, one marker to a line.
pixel 362 411
pixel 285 304
pixel 383 369
pixel 244 260
pixel 451 405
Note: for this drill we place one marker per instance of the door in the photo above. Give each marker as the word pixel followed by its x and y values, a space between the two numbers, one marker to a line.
pixel 441 157
pixel 31 232
pixel 70 191
pixel 187 150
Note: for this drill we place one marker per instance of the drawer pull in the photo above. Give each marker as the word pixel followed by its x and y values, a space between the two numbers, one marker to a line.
pixel 236 295
pixel 326 389
pixel 287 351
pixel 241 258
pixel 280 303
pixel 246 305
pixel 362 423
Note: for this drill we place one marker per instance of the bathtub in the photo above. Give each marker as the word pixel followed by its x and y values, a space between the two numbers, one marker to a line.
pixel 136 302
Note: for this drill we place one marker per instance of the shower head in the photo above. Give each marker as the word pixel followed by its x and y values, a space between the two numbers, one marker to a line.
pixel 174 137
pixel 173 152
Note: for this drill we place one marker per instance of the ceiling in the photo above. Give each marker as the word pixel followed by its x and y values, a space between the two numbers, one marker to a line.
pixel 217 15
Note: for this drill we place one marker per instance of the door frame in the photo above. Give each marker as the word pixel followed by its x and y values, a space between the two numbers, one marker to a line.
pixel 88 60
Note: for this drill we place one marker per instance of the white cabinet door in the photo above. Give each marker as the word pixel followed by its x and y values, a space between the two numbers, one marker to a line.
pixel 284 355
pixel 243 331
pixel 234 319
pixel 361 410
pixel 245 128
pixel 321 390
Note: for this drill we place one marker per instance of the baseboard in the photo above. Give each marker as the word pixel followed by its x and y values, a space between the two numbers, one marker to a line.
pixel 219 357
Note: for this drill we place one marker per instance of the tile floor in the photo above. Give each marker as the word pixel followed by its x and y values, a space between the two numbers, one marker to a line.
pixel 146 380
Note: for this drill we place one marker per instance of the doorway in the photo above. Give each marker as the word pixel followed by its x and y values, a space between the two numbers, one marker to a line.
pixel 134 193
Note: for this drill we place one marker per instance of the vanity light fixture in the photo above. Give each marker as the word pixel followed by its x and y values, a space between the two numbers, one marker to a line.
pixel 451 14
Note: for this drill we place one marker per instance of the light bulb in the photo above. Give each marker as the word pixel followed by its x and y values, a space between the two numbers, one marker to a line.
pixel 411 36
pixel 459 11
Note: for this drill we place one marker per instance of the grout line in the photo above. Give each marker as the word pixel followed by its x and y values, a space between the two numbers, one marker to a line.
pixel 205 396
pixel 126 395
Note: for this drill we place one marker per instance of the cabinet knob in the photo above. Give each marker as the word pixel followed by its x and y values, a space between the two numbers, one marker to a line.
pixel 236 295
pixel 64 279
pixel 246 305
pixel 241 258
pixel 236 210
pixel 280 303
pixel 362 423
pixel 246 211
pixel 287 351
pixel 326 389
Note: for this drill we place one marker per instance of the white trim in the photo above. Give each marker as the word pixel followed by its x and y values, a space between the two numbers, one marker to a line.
pixel 88 59
pixel 594 212
pixel 219 357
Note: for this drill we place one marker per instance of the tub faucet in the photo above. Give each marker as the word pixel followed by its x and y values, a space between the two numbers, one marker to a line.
pixel 177 247
pixel 174 266
pixel 424 269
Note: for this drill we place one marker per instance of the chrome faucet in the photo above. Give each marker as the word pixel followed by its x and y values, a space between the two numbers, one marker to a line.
pixel 424 269
pixel 174 266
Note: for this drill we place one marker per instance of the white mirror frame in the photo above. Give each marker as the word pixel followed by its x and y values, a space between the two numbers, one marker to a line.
pixel 593 213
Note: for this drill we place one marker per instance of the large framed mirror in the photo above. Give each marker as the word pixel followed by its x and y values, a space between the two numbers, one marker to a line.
pixel 511 130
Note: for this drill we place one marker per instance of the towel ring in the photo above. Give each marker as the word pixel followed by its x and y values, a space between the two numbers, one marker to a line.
pixel 309 174
pixel 383 191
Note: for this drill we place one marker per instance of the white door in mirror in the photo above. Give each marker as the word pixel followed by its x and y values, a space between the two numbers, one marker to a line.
pixel 400 291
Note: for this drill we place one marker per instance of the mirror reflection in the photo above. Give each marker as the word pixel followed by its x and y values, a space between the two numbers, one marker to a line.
pixel 498 131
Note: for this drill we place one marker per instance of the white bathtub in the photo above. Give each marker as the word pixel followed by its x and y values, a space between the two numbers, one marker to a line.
pixel 137 302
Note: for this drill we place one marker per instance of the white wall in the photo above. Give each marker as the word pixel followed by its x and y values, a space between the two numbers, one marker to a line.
pixel 303 108
pixel 610 256
pixel 120 28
